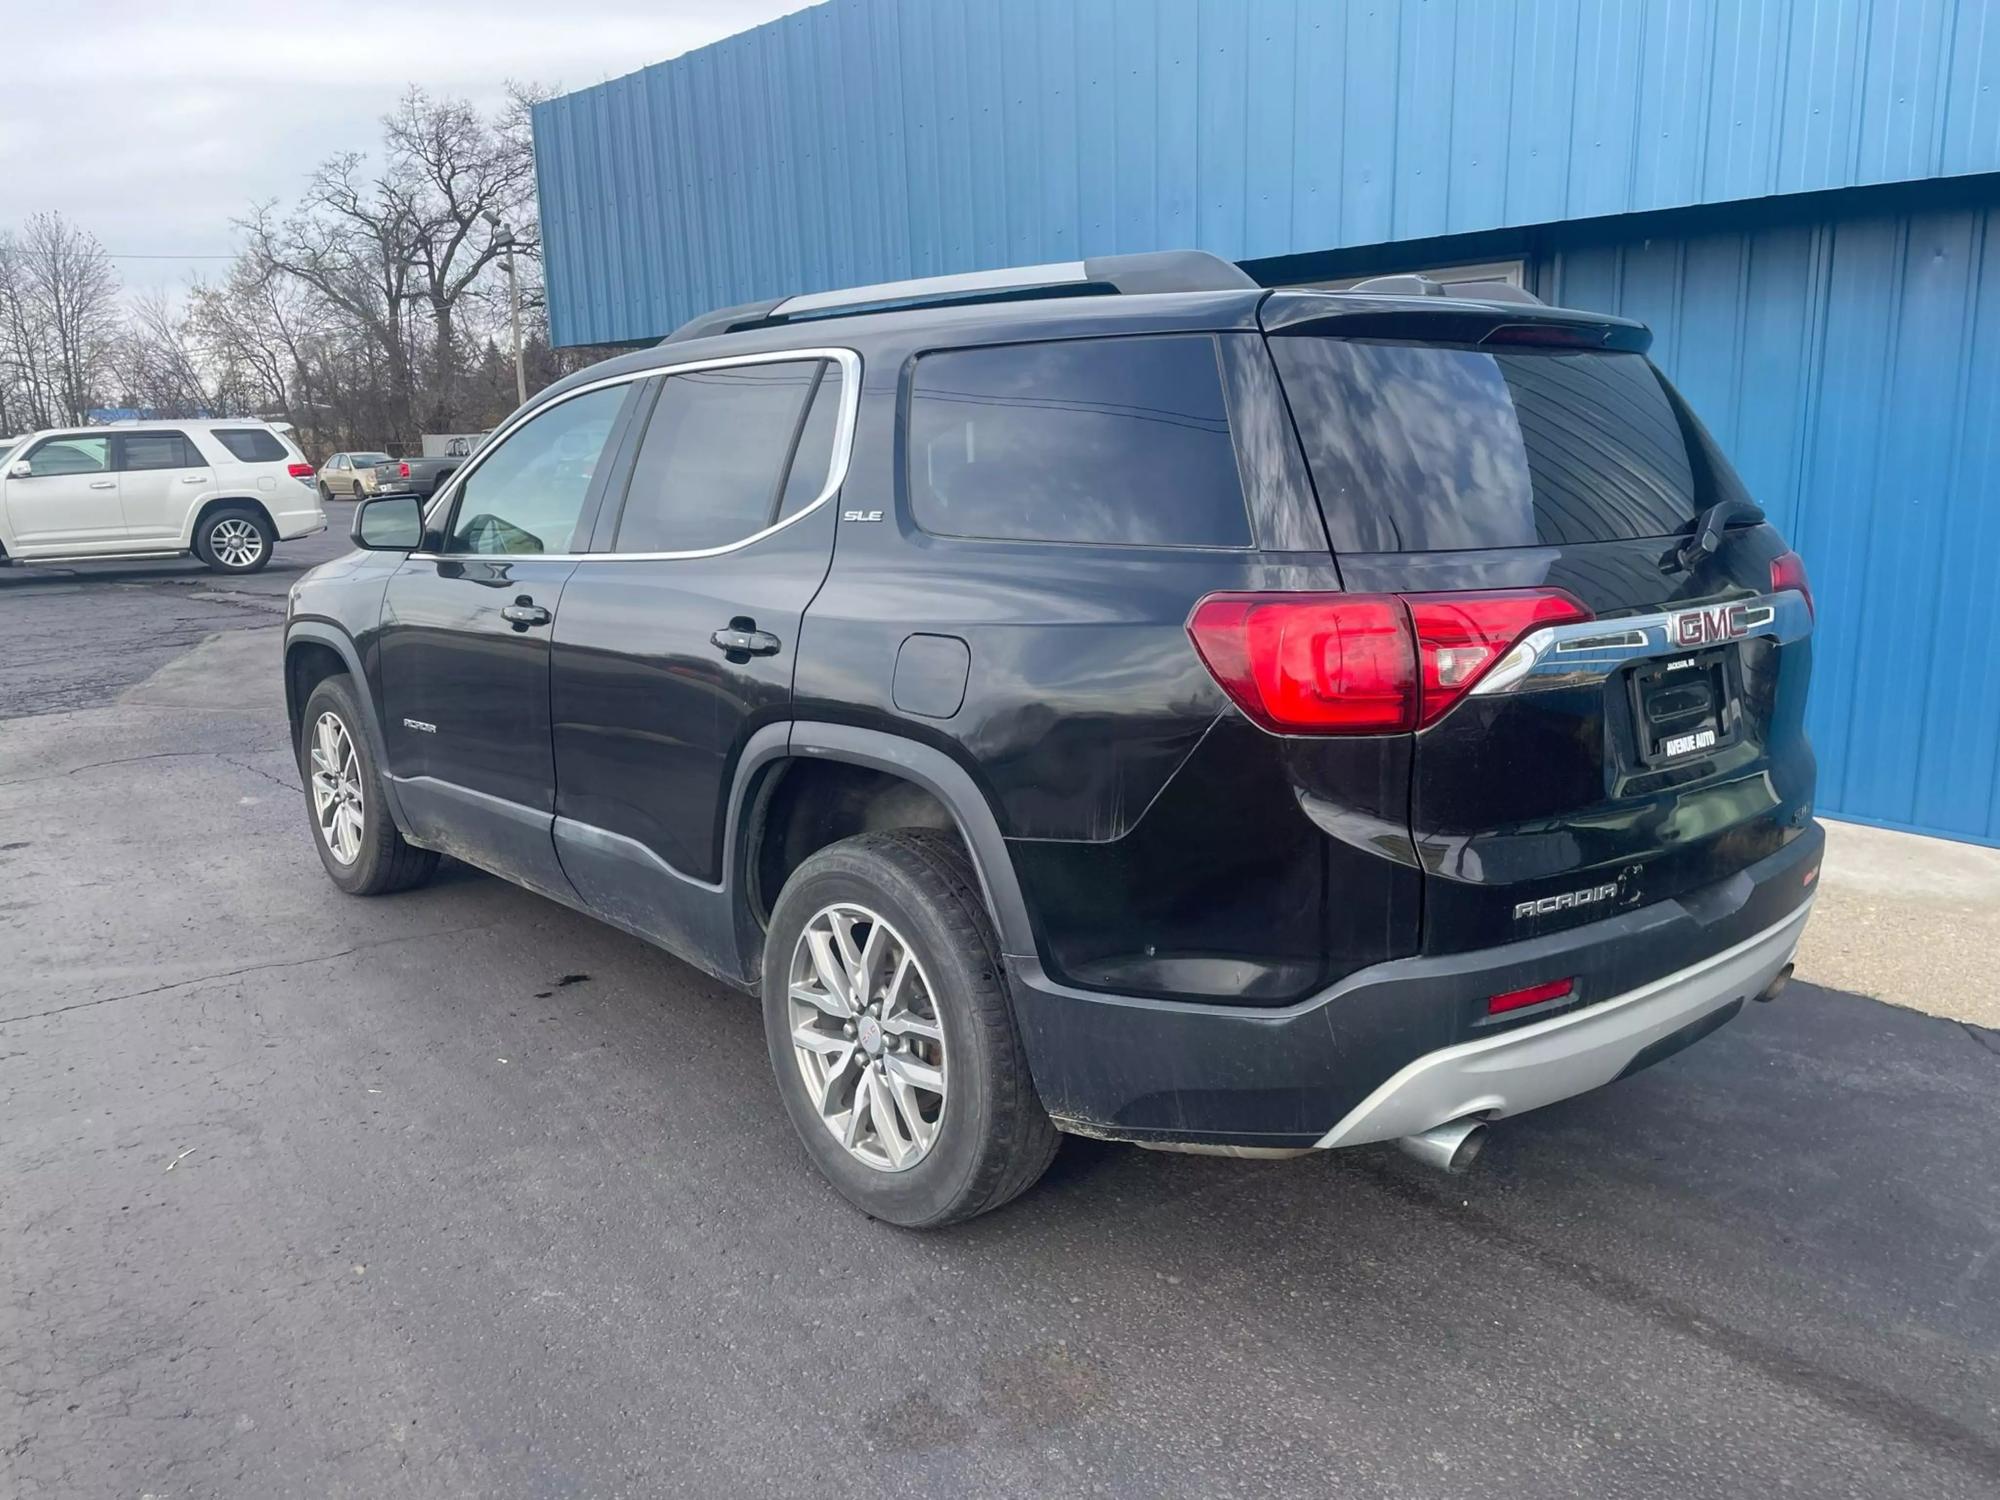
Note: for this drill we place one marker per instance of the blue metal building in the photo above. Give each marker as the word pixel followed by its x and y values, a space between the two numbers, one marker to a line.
pixel 1802 197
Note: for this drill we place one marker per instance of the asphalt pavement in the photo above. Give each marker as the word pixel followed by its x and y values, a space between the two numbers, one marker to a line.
pixel 461 1193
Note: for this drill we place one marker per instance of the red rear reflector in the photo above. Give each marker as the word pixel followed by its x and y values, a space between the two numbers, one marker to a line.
pixel 1788 571
pixel 1362 663
pixel 299 471
pixel 1534 994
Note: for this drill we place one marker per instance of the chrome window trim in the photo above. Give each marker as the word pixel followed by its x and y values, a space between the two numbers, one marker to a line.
pixel 843 451
pixel 1591 650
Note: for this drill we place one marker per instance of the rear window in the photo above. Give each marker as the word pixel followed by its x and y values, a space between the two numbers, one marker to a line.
pixel 1427 448
pixel 252 445
pixel 1122 441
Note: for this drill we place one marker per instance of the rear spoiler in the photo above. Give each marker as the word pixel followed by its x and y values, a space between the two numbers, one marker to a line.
pixel 1456 313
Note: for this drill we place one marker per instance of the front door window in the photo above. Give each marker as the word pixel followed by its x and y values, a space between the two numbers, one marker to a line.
pixel 527 494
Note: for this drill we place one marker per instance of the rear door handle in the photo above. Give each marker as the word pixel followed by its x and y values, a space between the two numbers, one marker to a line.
pixel 104 484
pixel 194 479
pixel 523 613
pixel 748 642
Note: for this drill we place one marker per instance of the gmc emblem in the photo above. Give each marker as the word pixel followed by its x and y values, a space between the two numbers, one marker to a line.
pixel 1704 627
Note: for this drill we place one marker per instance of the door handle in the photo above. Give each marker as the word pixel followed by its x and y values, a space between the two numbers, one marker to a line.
pixel 104 484
pixel 746 642
pixel 194 479
pixel 524 612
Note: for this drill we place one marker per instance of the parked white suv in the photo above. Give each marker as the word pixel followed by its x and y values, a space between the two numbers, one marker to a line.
pixel 225 491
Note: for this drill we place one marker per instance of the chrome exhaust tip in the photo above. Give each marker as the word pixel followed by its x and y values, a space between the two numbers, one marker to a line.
pixel 1451 1147
pixel 1777 984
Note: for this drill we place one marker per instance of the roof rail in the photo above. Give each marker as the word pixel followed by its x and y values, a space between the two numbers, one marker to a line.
pixel 1153 271
pixel 1410 285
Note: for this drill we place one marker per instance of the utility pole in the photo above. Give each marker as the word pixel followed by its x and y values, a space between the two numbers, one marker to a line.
pixel 504 237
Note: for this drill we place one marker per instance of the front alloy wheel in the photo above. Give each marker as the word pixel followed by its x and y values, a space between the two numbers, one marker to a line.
pixel 866 1037
pixel 336 789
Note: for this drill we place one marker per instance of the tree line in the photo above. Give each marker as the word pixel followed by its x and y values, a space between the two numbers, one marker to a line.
pixel 369 311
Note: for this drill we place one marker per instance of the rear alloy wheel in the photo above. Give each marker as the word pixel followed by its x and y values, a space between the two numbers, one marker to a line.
pixel 866 1037
pixel 892 1035
pixel 236 540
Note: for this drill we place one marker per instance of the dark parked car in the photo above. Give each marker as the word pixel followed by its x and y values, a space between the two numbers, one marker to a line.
pixel 414 476
pixel 1191 714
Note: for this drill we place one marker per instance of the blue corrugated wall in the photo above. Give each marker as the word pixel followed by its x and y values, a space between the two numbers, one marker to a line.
pixel 1852 369
pixel 865 140
pixel 1848 361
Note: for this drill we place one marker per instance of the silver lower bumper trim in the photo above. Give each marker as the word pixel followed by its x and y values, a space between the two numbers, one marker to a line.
pixel 1565 1055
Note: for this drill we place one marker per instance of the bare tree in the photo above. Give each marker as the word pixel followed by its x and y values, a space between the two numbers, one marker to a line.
pixel 24 380
pixel 71 297
pixel 160 365
pixel 454 172
pixel 398 251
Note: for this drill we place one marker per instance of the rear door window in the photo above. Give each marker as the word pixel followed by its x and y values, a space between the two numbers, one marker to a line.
pixel 712 468
pixel 157 450
pixel 1431 448
pixel 1121 441
pixel 252 445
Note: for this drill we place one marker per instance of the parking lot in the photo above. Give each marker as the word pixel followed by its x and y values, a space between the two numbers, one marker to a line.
pixel 461 1192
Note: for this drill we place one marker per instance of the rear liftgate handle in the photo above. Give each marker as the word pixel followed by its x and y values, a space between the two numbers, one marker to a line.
pixel 524 612
pixel 742 638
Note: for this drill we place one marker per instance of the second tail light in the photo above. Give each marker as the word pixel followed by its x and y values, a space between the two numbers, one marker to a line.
pixel 1362 663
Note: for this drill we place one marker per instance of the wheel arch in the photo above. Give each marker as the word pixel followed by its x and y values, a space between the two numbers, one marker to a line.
pixel 924 766
pixel 314 651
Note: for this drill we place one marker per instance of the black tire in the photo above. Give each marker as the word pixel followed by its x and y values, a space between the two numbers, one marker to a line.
pixel 325 494
pixel 385 861
pixel 216 539
pixel 994 1140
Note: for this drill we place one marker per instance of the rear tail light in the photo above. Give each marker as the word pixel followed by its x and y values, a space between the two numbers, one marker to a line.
pixel 1788 571
pixel 1362 663
pixel 404 471
pixel 299 471
pixel 1534 994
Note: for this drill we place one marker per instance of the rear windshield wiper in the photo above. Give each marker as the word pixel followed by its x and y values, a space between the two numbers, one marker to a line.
pixel 1707 538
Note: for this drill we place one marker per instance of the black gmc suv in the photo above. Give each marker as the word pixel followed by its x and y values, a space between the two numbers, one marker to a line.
pixel 1112 698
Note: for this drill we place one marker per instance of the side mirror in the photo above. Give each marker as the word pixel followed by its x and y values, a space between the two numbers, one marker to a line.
pixel 22 469
pixel 389 523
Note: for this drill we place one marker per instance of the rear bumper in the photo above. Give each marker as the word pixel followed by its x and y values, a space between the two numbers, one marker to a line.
pixel 1406 1045
pixel 302 520
pixel 1502 1075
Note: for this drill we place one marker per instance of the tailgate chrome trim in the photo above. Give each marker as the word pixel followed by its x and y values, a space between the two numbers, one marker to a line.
pixel 1591 650
pixel 1496 1076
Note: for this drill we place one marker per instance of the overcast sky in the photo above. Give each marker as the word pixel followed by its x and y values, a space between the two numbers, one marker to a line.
pixel 153 123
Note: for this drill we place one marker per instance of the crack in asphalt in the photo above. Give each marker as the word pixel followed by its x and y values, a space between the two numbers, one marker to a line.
pixel 1895 1415
pixel 130 760
pixel 289 963
pixel 123 760
pixel 290 786
pixel 1986 1038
